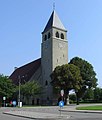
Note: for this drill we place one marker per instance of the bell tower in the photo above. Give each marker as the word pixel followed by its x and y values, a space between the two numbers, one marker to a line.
pixel 54 52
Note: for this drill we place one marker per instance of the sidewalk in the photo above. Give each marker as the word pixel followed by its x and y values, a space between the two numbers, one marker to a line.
pixel 47 115
pixel 37 115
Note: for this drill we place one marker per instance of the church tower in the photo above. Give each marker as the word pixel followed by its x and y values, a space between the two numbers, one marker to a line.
pixel 54 52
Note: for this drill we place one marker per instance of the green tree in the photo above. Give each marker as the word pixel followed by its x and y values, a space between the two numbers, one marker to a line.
pixel 7 88
pixel 66 77
pixel 87 73
pixel 89 94
pixel 98 94
pixel 31 88
pixel 72 98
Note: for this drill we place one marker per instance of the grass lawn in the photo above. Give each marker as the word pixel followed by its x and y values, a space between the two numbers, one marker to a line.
pixel 98 107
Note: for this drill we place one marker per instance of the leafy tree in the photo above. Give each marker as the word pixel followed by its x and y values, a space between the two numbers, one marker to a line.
pixel 87 73
pixel 7 88
pixel 89 94
pixel 66 77
pixel 31 88
pixel 98 94
pixel 72 97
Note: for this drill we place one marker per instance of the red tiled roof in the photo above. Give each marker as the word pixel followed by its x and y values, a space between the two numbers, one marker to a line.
pixel 24 73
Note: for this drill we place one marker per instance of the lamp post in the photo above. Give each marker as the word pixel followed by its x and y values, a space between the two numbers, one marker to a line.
pixel 19 95
pixel 4 98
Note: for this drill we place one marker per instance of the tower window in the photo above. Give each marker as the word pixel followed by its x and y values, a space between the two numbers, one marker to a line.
pixel 62 36
pixel 57 34
pixel 49 35
pixel 45 38
pixel 57 60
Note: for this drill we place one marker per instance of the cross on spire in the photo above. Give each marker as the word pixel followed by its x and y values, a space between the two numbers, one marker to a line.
pixel 54 5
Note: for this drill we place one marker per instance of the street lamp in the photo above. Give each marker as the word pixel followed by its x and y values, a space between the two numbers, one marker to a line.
pixel 4 98
pixel 19 95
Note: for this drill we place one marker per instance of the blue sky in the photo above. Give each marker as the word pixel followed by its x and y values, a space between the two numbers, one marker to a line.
pixel 22 21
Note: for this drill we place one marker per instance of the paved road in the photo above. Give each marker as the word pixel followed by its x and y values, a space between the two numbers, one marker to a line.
pixel 9 117
pixel 51 110
pixel 84 116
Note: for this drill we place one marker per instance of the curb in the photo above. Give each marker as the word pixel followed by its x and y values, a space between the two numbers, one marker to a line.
pixel 43 118
pixel 82 111
pixel 19 115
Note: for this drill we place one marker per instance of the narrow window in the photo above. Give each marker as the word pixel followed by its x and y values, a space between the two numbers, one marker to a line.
pixel 62 36
pixel 49 35
pixel 46 83
pixel 57 34
pixel 45 38
pixel 48 98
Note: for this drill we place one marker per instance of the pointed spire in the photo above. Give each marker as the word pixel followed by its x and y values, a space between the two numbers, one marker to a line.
pixel 54 21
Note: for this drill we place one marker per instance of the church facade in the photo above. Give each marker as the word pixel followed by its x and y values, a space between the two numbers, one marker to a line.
pixel 54 52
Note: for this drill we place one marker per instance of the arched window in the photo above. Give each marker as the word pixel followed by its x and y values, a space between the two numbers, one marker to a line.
pixel 57 34
pixel 46 83
pixel 45 38
pixel 57 60
pixel 49 35
pixel 48 98
pixel 62 36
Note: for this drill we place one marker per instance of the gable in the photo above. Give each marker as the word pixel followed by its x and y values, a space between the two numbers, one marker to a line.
pixel 24 73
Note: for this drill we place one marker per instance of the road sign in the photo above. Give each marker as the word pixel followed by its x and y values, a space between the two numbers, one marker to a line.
pixel 62 92
pixel 4 98
pixel 14 103
pixel 61 103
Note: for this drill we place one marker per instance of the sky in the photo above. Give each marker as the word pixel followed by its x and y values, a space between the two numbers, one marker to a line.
pixel 22 22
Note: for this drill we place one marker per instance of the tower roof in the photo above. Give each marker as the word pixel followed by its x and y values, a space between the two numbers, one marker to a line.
pixel 54 21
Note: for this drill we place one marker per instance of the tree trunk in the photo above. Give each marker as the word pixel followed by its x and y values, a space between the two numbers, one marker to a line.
pixel 67 97
pixel 67 100
pixel 77 98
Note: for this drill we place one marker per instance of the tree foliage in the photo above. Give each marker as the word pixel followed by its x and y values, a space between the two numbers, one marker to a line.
pixel 78 75
pixel 98 94
pixel 66 77
pixel 30 88
pixel 7 88
pixel 89 94
pixel 87 72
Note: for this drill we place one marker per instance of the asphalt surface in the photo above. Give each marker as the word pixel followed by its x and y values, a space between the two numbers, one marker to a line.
pixel 49 113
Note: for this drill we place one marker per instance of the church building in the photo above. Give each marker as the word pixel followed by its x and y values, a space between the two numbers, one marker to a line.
pixel 54 52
